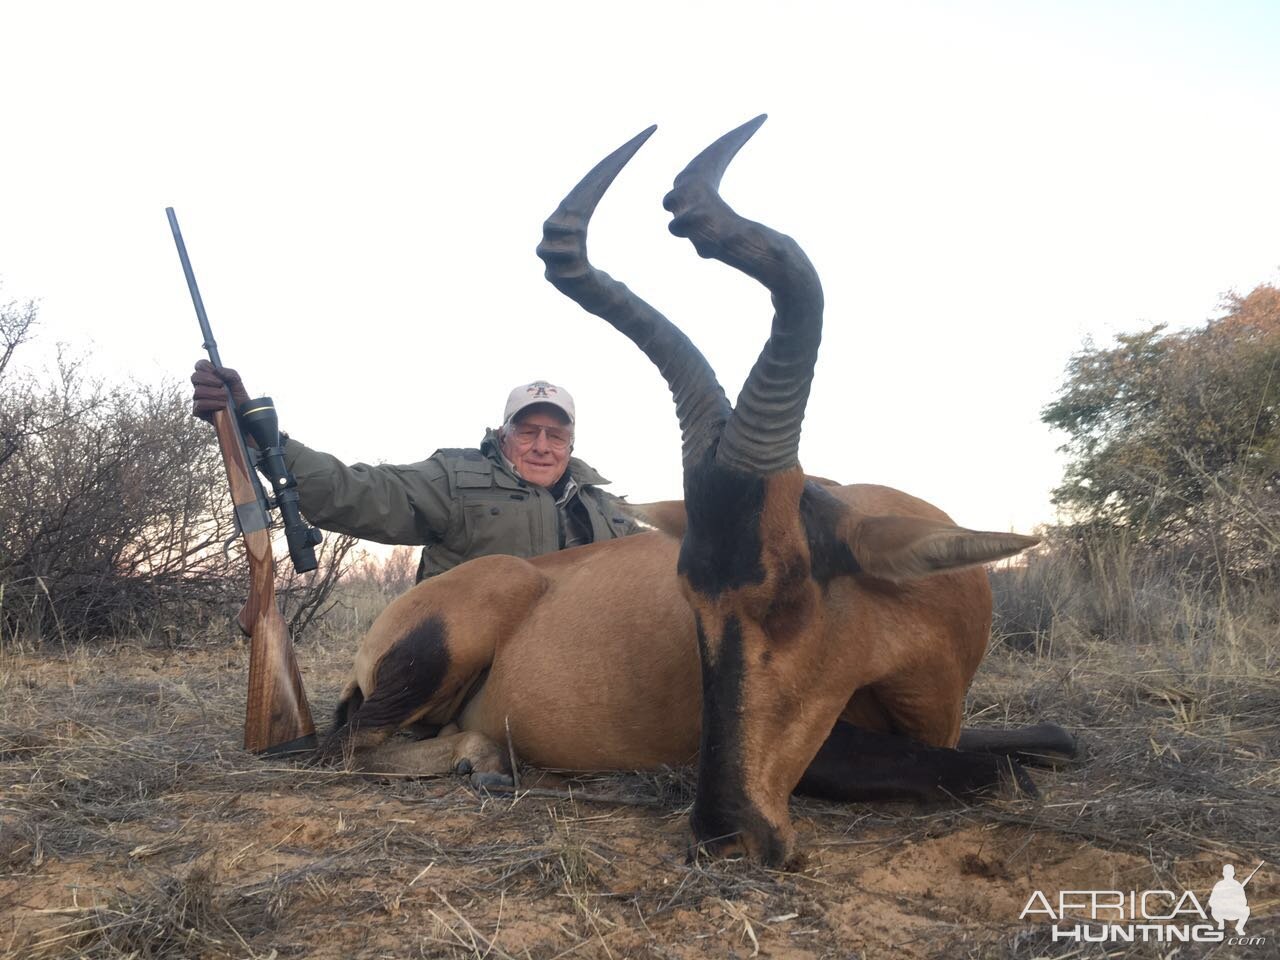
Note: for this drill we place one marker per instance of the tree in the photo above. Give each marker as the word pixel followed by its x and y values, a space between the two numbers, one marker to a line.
pixel 16 323
pixel 1176 436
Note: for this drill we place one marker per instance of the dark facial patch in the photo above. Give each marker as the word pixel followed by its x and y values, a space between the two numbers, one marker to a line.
pixel 722 812
pixel 790 610
pixel 821 514
pixel 407 676
pixel 721 549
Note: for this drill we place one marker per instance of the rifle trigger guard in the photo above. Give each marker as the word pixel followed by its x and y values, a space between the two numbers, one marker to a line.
pixel 236 534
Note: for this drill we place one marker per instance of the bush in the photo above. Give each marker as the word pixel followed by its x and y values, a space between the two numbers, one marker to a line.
pixel 368 585
pixel 1101 584
pixel 110 507
pixel 1175 439
pixel 113 510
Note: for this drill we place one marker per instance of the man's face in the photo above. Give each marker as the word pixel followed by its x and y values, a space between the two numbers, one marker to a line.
pixel 538 442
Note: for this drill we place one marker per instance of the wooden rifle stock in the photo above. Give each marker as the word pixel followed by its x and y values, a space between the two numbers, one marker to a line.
pixel 277 717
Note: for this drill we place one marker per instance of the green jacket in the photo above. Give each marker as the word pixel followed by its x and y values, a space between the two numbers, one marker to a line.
pixel 460 503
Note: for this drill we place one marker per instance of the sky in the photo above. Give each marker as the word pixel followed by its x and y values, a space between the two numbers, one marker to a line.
pixel 981 186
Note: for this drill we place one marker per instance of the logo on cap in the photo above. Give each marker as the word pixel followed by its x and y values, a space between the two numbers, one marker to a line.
pixel 538 391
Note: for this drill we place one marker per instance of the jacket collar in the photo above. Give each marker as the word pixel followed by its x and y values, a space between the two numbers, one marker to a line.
pixel 579 470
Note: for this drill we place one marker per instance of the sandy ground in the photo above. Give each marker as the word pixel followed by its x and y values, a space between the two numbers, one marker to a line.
pixel 131 824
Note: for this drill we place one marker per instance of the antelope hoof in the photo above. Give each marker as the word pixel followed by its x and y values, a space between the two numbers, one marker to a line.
pixel 492 782
pixel 1057 747
pixel 1015 781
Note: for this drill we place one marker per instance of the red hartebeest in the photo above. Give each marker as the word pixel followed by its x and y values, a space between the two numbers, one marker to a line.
pixel 790 635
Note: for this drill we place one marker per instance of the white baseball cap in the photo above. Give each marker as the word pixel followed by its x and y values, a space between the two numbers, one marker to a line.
pixel 530 394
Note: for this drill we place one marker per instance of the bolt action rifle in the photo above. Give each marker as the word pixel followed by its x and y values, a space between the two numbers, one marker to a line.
pixel 277 717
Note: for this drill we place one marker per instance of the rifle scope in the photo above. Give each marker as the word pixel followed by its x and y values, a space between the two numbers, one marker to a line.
pixel 259 418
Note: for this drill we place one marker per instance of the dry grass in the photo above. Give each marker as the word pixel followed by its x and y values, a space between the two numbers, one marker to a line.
pixel 131 825
pixel 1172 685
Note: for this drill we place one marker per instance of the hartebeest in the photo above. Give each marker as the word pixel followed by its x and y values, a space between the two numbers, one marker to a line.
pixel 795 635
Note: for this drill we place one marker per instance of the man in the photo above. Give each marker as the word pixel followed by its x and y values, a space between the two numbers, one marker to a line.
pixel 520 493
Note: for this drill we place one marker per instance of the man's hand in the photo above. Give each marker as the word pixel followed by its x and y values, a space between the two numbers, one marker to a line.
pixel 210 393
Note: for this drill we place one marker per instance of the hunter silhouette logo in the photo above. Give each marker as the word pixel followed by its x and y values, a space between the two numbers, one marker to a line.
pixel 1228 900
pixel 541 389
pixel 1148 916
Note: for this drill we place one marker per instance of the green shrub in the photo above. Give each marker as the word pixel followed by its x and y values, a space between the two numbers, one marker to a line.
pixel 1175 439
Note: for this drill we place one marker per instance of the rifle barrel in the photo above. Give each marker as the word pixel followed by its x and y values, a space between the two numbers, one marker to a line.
pixel 277 715
pixel 209 343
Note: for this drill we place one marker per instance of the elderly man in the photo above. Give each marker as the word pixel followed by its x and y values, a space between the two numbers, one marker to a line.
pixel 520 493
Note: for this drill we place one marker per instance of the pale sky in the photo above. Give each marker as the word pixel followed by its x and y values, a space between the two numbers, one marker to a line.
pixel 361 187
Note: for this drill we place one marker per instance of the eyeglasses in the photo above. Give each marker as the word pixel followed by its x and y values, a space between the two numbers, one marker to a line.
pixel 558 438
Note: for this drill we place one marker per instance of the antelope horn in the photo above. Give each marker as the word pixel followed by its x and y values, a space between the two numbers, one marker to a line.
pixel 701 405
pixel 762 435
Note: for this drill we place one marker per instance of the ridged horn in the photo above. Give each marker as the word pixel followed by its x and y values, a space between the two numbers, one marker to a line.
pixel 701 405
pixel 762 435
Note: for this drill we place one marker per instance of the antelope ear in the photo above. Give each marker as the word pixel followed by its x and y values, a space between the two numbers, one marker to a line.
pixel 906 548
pixel 665 516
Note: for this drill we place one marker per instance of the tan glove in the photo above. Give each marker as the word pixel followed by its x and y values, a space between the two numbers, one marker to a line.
pixel 210 394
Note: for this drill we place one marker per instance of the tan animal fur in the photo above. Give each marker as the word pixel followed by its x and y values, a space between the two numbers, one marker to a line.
pixel 789 632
